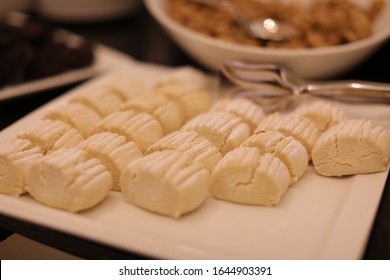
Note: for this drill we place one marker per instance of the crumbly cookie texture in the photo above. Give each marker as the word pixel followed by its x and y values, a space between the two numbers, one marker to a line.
pixel 247 177
pixel 125 86
pixel 183 79
pixel 167 182
pixel 100 99
pixel 352 147
pixel 323 114
pixel 166 111
pixel 300 128
pixel 191 143
pixel 250 112
pixel 77 115
pixel 223 129
pixel 188 88
pixel 290 151
pixel 142 128
pixel 52 135
pixel 113 151
pixel 67 179
pixel 16 158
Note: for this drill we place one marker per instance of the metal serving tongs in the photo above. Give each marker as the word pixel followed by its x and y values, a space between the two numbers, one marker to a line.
pixel 273 84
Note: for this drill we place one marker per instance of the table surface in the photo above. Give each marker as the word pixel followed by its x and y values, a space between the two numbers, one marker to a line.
pixel 143 39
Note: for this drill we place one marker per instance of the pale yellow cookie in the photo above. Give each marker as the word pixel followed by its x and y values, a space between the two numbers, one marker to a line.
pixel 270 122
pixel 250 112
pixel 323 114
pixel 100 99
pixel 223 129
pixel 126 86
pixel 167 182
pixel 77 115
pixel 67 179
pixel 247 177
pixel 352 147
pixel 142 128
pixel 183 80
pixel 52 135
pixel 162 108
pixel 191 103
pixel 190 142
pixel 16 157
pixel 302 129
pixel 290 151
pixel 113 151
pixel 188 88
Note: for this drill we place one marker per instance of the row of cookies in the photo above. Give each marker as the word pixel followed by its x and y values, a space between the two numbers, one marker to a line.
pixel 277 154
pixel 165 152
pixel 252 158
pixel 175 175
pixel 94 135
pixel 63 126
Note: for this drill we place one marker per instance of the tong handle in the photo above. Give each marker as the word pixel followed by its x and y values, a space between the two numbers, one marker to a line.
pixel 353 91
pixel 273 80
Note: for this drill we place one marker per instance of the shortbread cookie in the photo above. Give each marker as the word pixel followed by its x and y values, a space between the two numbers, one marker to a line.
pixel 290 151
pixel 167 182
pixel 245 176
pixel 223 129
pixel 323 114
pixel 52 135
pixel 67 179
pixel 183 80
pixel 141 128
pixel 270 122
pixel 302 129
pixel 113 151
pixel 352 147
pixel 126 86
pixel 191 103
pixel 100 99
pixel 244 108
pixel 77 115
pixel 16 157
pixel 162 108
pixel 191 143
pixel 188 88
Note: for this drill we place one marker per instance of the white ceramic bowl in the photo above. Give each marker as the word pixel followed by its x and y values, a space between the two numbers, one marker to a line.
pixel 318 63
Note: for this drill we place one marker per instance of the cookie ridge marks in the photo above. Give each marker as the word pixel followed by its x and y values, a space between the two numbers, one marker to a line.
pixel 66 179
pixel 244 108
pixel 188 88
pixel 302 129
pixel 191 143
pixel 113 151
pixel 162 108
pixel 223 129
pixel 290 151
pixel 51 135
pixel 126 86
pixel 77 115
pixel 323 114
pixel 100 99
pixel 16 158
pixel 142 128
pixel 167 182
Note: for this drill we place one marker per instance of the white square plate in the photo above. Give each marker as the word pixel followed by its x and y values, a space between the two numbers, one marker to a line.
pixel 318 218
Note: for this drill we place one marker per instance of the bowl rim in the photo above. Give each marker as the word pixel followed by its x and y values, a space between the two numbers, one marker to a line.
pixel 167 22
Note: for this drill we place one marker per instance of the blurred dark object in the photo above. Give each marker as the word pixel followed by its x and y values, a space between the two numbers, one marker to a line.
pixel 31 49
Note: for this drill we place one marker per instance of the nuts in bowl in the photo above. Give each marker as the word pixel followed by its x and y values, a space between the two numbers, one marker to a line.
pixel 332 36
